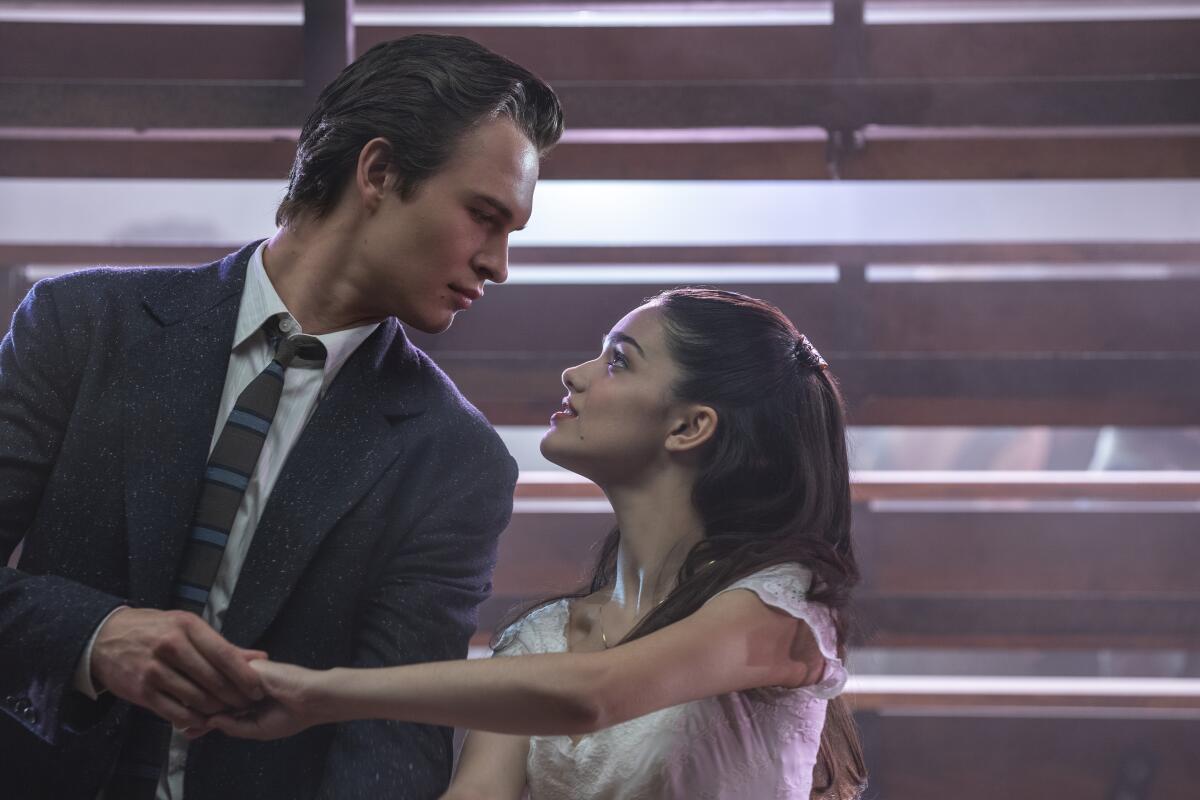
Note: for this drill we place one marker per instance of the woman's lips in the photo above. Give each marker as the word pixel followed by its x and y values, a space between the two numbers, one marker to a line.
pixel 566 412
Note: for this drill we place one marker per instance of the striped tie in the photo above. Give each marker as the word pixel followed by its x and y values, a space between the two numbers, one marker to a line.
pixel 228 473
pixel 232 464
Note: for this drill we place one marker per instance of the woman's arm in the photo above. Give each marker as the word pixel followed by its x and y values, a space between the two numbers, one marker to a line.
pixel 490 767
pixel 734 642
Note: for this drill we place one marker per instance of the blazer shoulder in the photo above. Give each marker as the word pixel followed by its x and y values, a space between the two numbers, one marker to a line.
pixel 108 287
pixel 448 406
pixel 168 292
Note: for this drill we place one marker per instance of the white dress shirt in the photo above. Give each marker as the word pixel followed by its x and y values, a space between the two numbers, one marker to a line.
pixel 302 391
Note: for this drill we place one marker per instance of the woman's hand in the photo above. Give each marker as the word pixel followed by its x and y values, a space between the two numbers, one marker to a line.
pixel 288 708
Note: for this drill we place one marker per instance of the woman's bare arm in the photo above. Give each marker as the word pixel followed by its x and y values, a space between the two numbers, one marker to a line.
pixel 490 767
pixel 732 643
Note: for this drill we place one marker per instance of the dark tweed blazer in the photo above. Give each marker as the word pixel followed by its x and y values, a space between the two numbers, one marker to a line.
pixel 375 548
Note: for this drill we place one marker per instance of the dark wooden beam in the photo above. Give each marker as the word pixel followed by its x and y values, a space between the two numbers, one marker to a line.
pixel 988 621
pixel 1053 156
pixel 919 554
pixel 1165 100
pixel 898 389
pixel 980 620
pixel 992 579
pixel 1038 753
pixel 125 51
pixel 953 320
pixel 151 104
pixel 955 484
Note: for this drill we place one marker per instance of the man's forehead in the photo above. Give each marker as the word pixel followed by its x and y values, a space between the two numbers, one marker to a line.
pixel 500 166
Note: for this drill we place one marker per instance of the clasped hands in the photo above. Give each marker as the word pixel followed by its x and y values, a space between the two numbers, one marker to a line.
pixel 174 664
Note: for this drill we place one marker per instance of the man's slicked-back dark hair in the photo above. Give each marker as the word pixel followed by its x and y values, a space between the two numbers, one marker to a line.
pixel 421 93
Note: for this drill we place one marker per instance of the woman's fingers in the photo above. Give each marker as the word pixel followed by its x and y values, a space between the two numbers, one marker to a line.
pixel 231 726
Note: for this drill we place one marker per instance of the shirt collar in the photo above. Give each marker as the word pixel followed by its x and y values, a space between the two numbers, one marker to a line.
pixel 260 302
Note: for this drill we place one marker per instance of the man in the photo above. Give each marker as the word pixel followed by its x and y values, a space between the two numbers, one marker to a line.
pixel 257 442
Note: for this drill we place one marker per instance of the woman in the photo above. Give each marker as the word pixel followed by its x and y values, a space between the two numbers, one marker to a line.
pixel 701 660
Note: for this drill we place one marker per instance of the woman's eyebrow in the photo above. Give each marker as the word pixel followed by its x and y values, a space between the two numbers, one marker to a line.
pixel 623 338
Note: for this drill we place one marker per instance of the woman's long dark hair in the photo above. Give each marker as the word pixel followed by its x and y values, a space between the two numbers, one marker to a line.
pixel 774 486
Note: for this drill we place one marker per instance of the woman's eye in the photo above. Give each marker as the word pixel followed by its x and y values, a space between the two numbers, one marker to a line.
pixel 617 360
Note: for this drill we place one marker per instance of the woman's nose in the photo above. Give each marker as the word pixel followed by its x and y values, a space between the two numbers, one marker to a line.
pixel 572 378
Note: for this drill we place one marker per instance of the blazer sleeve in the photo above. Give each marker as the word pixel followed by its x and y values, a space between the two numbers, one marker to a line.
pixel 424 608
pixel 45 620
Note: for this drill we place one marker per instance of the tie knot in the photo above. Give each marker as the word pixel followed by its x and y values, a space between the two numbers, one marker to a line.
pixel 292 348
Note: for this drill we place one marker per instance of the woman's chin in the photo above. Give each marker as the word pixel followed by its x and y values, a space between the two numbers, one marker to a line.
pixel 553 450
pixel 548 446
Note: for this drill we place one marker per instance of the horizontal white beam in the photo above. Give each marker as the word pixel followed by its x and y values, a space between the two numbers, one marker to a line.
pixel 489 15
pixel 1028 686
pixel 647 213
pixel 598 15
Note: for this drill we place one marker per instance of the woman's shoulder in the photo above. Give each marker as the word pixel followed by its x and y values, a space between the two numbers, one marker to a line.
pixel 541 630
pixel 785 587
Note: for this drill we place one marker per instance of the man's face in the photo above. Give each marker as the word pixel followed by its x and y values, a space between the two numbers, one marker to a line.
pixel 427 258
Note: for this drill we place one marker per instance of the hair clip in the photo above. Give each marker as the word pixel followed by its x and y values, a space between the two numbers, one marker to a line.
pixel 804 352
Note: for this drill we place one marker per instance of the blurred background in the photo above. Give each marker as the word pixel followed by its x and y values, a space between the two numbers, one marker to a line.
pixel 985 214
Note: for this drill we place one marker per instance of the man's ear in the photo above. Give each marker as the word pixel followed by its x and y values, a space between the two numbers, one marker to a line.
pixel 691 427
pixel 374 175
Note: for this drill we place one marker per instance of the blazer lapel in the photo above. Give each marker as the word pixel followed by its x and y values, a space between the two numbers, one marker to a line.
pixel 352 438
pixel 173 386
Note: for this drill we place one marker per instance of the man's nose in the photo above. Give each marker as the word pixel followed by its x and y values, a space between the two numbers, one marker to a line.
pixel 492 263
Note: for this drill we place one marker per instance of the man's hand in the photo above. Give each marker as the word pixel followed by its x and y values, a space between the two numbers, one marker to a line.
pixel 174 664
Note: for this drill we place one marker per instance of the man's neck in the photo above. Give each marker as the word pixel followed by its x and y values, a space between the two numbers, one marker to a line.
pixel 309 268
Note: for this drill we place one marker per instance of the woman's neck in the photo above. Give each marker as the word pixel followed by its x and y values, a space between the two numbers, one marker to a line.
pixel 659 526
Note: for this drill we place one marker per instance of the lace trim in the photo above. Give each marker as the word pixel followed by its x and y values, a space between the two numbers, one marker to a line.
pixel 785 586
pixel 539 631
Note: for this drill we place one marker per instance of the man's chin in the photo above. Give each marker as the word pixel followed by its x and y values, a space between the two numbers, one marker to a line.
pixel 433 326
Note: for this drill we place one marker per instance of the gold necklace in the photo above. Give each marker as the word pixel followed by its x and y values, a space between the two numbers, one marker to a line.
pixel 600 618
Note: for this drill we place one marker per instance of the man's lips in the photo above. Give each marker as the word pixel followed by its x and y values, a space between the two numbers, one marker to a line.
pixel 470 294
pixel 464 297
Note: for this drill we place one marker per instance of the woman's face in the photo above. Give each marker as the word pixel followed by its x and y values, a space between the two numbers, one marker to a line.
pixel 618 410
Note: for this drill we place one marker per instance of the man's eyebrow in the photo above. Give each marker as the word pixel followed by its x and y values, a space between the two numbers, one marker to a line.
pixel 624 338
pixel 502 209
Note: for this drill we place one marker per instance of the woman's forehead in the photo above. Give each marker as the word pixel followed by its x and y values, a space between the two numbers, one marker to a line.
pixel 645 319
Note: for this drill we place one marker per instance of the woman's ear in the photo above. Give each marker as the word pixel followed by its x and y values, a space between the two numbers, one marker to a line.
pixel 371 177
pixel 691 427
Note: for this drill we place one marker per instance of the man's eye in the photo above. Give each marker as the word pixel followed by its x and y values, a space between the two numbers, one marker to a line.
pixel 482 216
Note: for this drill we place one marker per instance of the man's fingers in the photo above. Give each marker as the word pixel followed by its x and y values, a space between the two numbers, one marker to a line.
pixel 192 662
pixel 228 662
pixel 175 712
pixel 186 692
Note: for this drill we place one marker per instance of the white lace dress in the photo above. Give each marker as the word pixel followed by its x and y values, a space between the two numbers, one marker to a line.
pixel 740 746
